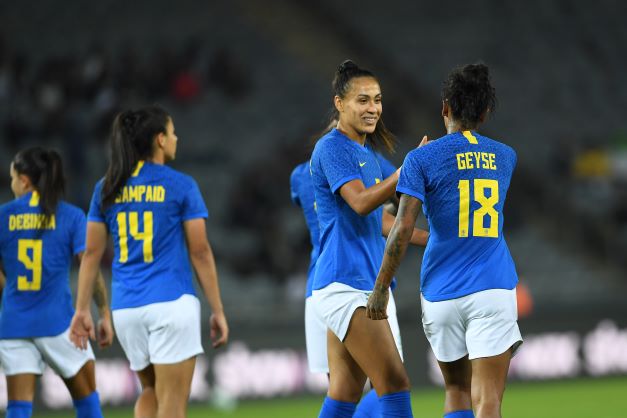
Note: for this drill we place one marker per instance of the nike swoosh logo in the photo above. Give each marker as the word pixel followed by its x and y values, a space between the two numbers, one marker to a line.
pixel 362 164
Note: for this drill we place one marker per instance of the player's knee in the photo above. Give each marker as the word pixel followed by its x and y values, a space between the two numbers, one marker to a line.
pixel 393 381
pixel 487 403
pixel 146 404
pixel 345 393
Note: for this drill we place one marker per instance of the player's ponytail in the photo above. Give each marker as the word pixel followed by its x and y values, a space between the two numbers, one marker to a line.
pixel 132 138
pixel 469 93
pixel 381 137
pixel 45 171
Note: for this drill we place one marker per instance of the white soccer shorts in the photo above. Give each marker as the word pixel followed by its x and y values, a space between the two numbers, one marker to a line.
pixel 160 333
pixel 482 324
pixel 334 305
pixel 30 355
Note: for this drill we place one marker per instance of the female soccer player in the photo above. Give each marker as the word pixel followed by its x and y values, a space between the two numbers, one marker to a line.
pixel 40 234
pixel 156 217
pixel 349 190
pixel 302 194
pixel 468 278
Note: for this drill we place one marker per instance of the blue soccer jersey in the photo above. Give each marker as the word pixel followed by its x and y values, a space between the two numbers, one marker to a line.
pixel 37 253
pixel 301 191
pixel 351 248
pixel 462 180
pixel 151 262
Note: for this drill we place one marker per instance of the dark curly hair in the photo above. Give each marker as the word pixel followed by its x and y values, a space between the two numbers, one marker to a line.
pixel 469 93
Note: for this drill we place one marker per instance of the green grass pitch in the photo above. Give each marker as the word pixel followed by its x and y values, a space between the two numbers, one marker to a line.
pixel 585 398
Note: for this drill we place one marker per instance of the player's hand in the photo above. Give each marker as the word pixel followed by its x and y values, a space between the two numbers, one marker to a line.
pixel 219 330
pixel 82 329
pixel 378 303
pixel 105 331
pixel 425 141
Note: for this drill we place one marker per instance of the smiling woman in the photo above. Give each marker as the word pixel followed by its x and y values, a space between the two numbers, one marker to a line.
pixel 349 189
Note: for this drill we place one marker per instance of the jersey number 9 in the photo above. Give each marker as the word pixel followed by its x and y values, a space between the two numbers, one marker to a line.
pixel 129 222
pixel 32 262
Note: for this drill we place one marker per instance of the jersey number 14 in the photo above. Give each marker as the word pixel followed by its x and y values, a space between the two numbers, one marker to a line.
pixel 128 222
pixel 487 208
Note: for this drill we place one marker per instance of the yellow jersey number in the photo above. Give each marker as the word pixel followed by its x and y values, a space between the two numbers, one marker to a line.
pixel 29 253
pixel 128 222
pixel 487 208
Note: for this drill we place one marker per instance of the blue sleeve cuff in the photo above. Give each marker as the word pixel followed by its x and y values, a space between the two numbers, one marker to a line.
pixel 340 183
pixel 199 215
pixel 93 218
pixel 79 250
pixel 410 192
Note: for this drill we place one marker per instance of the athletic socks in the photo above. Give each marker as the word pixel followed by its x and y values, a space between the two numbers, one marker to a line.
pixel 396 405
pixel 336 409
pixel 88 407
pixel 19 409
pixel 467 413
pixel 368 406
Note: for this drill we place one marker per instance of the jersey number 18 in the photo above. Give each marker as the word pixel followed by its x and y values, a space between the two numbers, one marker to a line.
pixel 487 208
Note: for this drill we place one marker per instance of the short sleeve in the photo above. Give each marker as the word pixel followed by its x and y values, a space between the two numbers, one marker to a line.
pixel 387 168
pixel 79 230
pixel 294 183
pixel 193 203
pixel 412 180
pixel 338 164
pixel 95 207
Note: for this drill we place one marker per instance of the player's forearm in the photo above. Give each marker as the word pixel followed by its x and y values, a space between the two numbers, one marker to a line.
pixel 419 237
pixel 373 197
pixel 205 267
pixel 87 275
pixel 395 248
pixel 100 295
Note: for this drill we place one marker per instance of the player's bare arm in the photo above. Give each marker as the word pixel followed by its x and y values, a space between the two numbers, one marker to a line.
pixel 82 326
pixel 364 200
pixel 419 237
pixel 400 236
pixel 203 262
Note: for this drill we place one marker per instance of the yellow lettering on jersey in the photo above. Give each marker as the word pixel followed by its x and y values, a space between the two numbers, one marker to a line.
pixel 30 221
pixel 149 197
pixel 377 180
pixel 491 162
pixel 471 160
pixel 141 193
pixel 461 162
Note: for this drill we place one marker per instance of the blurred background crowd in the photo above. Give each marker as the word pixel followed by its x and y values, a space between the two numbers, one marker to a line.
pixel 248 85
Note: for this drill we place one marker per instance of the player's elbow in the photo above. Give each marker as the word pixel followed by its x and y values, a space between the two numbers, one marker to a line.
pixel 362 208
pixel 200 252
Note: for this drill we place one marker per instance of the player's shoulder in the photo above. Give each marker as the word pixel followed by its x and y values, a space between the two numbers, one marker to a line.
pixel 8 208
pixel 300 172
pixel 497 143
pixel 67 208
pixel 331 142
pixel 176 177
pixel 431 148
